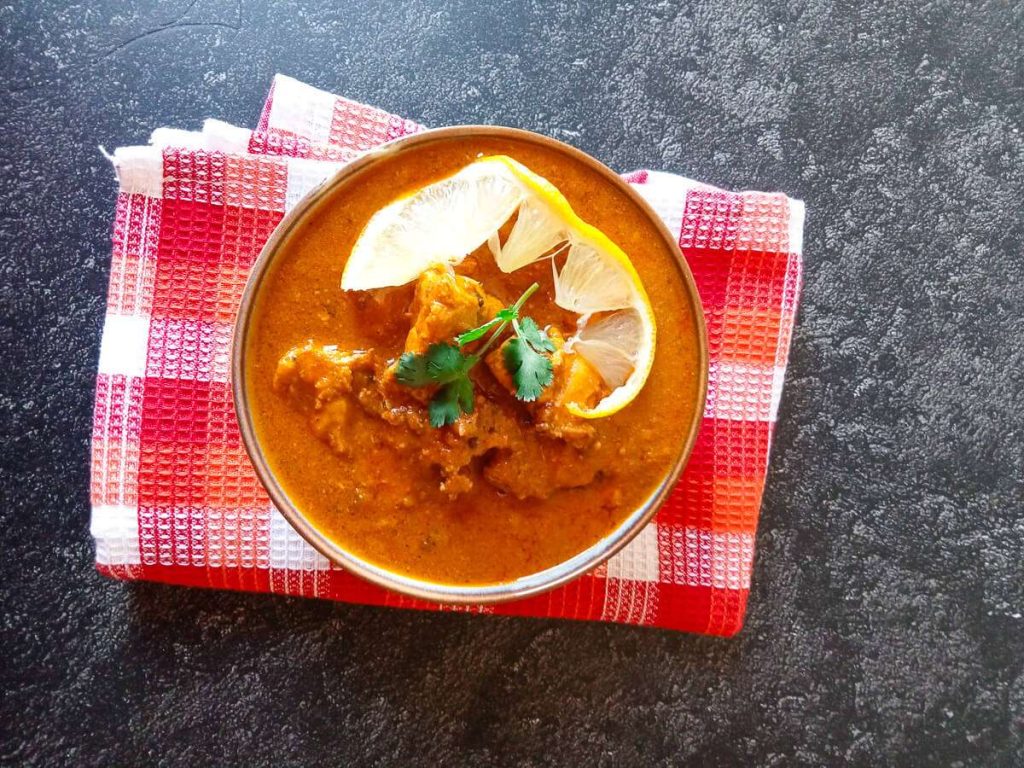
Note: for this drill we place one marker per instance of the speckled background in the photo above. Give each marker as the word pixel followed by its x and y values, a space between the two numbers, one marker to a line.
pixel 885 626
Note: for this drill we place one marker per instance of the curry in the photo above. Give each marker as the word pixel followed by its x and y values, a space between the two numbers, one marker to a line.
pixel 509 489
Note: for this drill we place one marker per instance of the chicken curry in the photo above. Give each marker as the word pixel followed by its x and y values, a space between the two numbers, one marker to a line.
pixel 508 489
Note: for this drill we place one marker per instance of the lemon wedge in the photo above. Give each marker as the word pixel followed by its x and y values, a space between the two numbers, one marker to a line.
pixel 445 221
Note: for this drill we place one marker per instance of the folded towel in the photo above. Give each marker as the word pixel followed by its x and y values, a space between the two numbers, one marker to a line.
pixel 174 497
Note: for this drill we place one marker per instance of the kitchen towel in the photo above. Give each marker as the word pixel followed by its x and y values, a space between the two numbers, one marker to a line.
pixel 174 497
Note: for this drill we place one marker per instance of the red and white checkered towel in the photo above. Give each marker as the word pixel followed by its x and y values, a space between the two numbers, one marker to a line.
pixel 174 497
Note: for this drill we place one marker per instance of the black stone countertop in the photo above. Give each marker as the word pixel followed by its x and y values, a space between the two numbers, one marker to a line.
pixel 885 624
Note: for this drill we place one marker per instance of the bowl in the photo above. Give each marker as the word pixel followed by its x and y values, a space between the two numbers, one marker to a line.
pixel 525 586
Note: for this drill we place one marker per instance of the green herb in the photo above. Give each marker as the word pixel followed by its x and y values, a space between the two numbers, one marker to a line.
pixel 531 371
pixel 413 371
pixel 450 402
pixel 526 359
pixel 442 363
pixel 528 331
pixel 504 316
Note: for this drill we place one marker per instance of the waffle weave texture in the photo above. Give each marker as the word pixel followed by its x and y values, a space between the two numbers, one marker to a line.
pixel 174 496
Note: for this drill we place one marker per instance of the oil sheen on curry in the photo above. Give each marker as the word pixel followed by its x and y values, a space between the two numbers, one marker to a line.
pixel 509 489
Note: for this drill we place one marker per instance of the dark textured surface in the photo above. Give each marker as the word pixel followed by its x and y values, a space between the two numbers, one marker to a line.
pixel 885 625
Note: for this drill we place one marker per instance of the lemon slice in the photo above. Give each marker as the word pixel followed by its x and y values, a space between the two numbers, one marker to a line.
pixel 621 348
pixel 445 221
pixel 440 223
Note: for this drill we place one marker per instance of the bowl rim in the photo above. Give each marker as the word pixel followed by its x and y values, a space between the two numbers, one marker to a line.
pixel 526 586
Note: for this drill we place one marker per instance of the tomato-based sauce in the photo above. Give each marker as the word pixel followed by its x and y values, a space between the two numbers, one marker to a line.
pixel 513 488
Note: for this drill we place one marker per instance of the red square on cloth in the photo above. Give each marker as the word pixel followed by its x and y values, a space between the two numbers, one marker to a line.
pixel 173 494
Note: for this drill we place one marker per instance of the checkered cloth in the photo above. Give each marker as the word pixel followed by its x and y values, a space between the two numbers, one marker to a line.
pixel 174 497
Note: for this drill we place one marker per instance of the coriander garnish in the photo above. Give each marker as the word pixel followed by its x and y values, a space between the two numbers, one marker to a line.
pixel 527 359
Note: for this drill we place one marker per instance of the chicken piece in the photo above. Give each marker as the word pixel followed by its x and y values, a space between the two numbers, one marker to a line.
pixel 538 468
pixel 489 427
pixel 330 424
pixel 393 404
pixel 315 374
pixel 382 311
pixel 496 362
pixel 319 379
pixel 579 382
pixel 444 305
pixel 574 380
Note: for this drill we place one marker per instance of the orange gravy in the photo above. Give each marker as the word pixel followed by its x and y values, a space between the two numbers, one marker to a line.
pixel 385 506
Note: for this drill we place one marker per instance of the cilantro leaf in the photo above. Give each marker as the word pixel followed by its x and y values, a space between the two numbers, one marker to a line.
pixel 445 362
pixel 444 407
pixel 538 339
pixel 450 401
pixel 464 392
pixel 412 370
pixel 442 363
pixel 531 371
